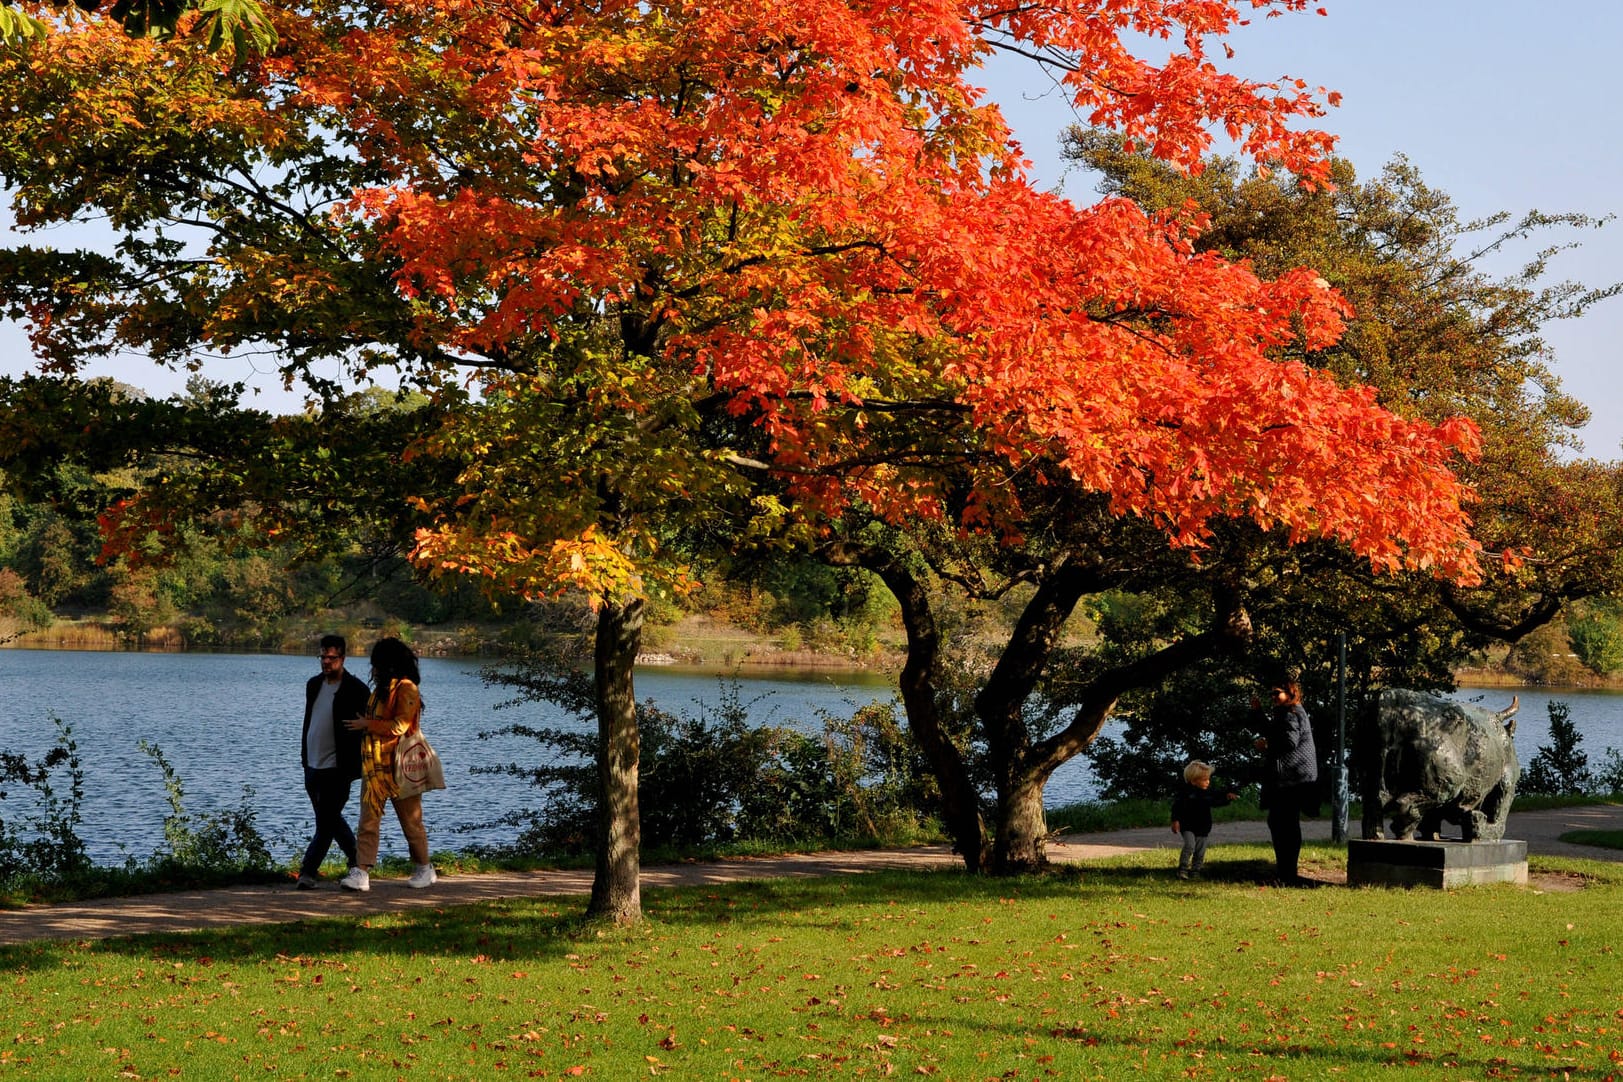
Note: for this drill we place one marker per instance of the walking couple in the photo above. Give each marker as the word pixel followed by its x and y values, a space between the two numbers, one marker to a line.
pixel 351 731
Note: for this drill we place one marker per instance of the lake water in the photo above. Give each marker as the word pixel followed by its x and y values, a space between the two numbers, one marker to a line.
pixel 226 721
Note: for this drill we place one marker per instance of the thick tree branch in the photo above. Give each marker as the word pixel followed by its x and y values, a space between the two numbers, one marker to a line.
pixel 1230 630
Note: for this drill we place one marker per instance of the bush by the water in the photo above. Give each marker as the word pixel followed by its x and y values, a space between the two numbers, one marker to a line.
pixel 717 779
pixel 1561 768
pixel 43 841
pixel 217 842
pixel 42 854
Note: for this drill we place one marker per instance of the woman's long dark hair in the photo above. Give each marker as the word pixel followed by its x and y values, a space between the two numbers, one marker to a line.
pixel 393 660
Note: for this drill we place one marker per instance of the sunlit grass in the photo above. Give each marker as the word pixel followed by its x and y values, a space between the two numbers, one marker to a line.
pixel 1082 974
pixel 1526 802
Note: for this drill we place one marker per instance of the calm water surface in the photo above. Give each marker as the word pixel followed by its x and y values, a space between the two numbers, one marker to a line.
pixel 229 724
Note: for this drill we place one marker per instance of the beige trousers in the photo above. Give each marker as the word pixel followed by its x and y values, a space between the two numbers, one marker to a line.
pixel 409 810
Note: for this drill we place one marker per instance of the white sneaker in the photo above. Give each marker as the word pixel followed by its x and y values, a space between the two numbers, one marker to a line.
pixel 422 875
pixel 356 879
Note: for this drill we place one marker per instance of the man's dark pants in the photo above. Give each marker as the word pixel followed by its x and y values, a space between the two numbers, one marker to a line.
pixel 329 792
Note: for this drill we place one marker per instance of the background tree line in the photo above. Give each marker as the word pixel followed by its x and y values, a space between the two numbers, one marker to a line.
pixel 215 595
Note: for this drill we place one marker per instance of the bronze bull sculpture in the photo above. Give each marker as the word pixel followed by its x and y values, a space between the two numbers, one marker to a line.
pixel 1440 760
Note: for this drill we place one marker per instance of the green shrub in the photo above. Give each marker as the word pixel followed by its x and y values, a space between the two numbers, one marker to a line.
pixel 1609 777
pixel 717 779
pixel 1560 768
pixel 29 612
pixel 217 842
pixel 1597 638
pixel 43 857
pixel 45 846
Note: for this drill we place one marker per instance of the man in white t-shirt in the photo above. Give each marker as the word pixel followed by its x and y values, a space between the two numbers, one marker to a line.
pixel 331 755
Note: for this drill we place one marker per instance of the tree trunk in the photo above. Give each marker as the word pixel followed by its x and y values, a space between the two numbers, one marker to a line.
pixel 1021 829
pixel 1022 826
pixel 960 803
pixel 1022 767
pixel 616 885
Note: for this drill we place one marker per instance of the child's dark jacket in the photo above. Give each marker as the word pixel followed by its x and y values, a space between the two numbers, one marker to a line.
pixel 1192 807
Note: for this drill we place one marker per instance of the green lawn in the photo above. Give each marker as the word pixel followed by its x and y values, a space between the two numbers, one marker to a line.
pixel 1083 974
pixel 1604 839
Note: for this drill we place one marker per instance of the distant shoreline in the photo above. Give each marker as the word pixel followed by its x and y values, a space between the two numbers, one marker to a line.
pixel 729 651
pixel 1476 678
pixel 764 665
pixel 696 642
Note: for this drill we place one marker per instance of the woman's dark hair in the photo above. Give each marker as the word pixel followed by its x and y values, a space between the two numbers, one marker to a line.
pixel 393 660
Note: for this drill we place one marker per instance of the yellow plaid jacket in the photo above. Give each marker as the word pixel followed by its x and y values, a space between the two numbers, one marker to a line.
pixel 389 717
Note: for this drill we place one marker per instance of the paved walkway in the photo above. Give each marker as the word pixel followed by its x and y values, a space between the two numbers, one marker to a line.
pixel 191 910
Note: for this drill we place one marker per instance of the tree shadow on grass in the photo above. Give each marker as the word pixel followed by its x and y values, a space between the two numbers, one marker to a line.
pixel 546 927
pixel 549 927
pixel 539 928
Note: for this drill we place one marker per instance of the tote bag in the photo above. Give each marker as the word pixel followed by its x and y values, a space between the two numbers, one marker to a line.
pixel 416 765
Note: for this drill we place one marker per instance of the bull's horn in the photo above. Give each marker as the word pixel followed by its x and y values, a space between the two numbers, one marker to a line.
pixel 1507 716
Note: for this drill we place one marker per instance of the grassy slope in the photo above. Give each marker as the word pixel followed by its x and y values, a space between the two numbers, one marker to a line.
pixel 1078 975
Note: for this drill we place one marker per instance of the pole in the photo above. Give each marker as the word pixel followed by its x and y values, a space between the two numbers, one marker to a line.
pixel 1339 799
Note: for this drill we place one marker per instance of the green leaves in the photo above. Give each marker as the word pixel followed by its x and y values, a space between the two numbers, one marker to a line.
pixel 1597 637
pixel 241 24
pixel 18 27
pixel 147 17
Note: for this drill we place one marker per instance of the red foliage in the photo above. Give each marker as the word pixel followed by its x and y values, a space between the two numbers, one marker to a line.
pixel 808 206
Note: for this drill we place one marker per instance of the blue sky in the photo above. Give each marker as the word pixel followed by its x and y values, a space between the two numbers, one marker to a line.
pixel 1505 106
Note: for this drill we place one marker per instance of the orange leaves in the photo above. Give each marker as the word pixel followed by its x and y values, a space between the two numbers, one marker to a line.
pixel 1148 374
pixel 800 215
pixel 1170 107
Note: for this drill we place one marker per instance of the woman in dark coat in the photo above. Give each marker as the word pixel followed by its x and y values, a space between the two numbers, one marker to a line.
pixel 1290 776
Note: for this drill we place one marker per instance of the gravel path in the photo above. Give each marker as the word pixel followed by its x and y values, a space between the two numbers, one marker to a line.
pixel 191 910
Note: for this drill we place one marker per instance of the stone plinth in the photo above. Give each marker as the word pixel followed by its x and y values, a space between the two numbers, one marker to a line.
pixel 1441 865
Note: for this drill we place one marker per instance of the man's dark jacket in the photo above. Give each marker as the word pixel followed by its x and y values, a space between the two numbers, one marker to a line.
pixel 349 702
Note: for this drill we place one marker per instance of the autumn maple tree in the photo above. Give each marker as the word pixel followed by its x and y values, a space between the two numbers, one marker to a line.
pixel 711 267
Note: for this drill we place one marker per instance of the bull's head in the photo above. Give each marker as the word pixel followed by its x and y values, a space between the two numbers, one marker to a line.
pixel 1507 716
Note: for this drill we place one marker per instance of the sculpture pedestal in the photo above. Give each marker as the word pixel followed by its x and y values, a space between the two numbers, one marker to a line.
pixel 1441 865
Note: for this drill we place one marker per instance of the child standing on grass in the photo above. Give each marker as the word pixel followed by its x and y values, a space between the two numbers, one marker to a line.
pixel 1192 816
